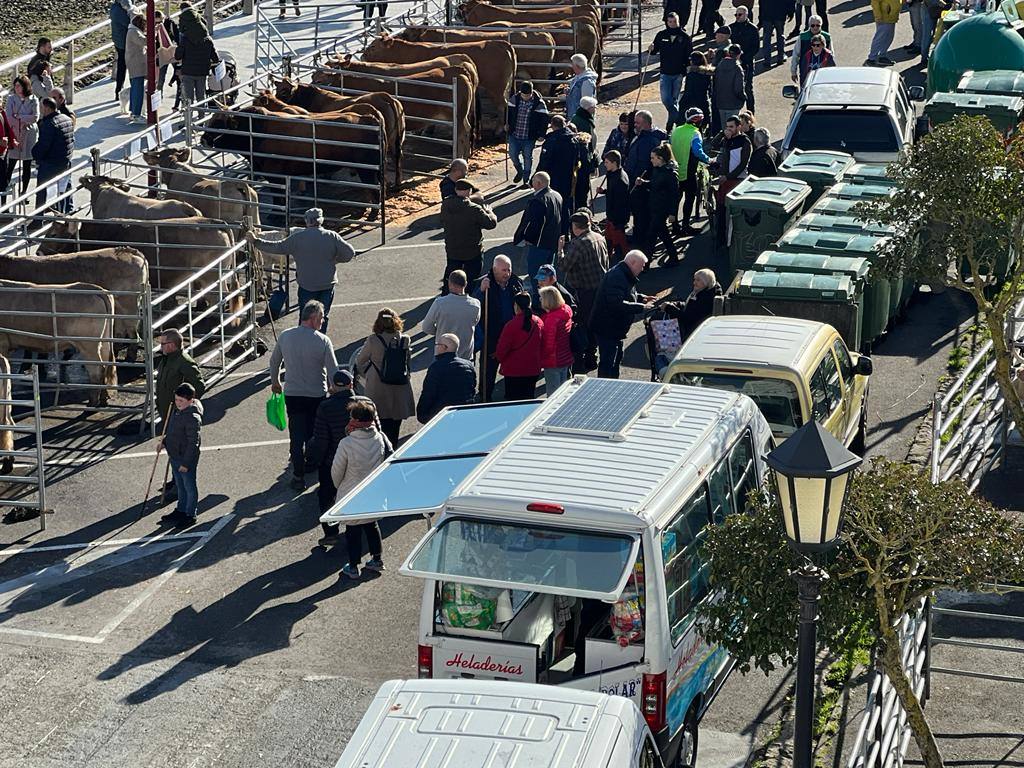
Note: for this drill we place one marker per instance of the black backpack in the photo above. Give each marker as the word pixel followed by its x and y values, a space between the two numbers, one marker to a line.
pixel 394 368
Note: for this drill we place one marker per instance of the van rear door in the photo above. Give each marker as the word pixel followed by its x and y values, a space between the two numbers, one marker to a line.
pixel 420 476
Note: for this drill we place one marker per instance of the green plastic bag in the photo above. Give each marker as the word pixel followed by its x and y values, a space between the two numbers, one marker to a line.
pixel 276 416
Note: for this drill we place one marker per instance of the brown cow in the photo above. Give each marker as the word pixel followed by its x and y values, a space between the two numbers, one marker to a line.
pixel 535 51
pixel 311 100
pixel 225 199
pixel 570 37
pixel 112 199
pixel 587 10
pixel 495 61
pixel 346 61
pixel 25 322
pixel 430 106
pixel 119 269
pixel 6 417
pixel 478 13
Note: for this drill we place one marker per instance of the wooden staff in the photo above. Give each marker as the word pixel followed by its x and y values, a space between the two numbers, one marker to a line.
pixel 156 460
pixel 484 353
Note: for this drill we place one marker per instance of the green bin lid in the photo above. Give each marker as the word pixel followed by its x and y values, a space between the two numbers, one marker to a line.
pixel 1004 111
pixel 768 194
pixel 830 241
pixel 1003 82
pixel 843 223
pixel 791 285
pixel 848 191
pixel 868 173
pixel 856 268
pixel 815 165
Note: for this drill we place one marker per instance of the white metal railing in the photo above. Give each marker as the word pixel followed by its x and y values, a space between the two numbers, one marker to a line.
pixel 884 733
pixel 32 457
pixel 970 423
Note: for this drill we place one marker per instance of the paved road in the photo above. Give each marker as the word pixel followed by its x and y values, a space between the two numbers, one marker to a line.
pixel 236 641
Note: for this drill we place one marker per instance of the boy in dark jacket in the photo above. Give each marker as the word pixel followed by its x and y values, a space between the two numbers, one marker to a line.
pixel 182 440
pixel 526 121
pixel 616 191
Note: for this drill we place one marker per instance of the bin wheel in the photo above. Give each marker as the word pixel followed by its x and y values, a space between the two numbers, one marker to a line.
pixel 688 743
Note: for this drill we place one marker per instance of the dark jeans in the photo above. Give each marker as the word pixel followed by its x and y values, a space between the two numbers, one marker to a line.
pixel 657 229
pixel 710 18
pixel 6 170
pixel 821 8
pixel 301 414
pixel 585 303
pixel 382 9
pixel 778 26
pixel 354 541
pixel 689 190
pixel 391 428
pixel 325 493
pixel 26 173
pixel 325 297
pixel 610 356
pixel 120 70
pixel 520 387
pixel 488 376
pixel 473 269
pixel 748 84
pixel 639 199
pixel 187 488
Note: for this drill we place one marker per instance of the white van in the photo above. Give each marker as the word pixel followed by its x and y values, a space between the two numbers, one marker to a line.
pixel 565 548
pixel 483 724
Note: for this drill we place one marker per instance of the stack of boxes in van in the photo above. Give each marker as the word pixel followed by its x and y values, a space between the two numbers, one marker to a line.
pixel 826 273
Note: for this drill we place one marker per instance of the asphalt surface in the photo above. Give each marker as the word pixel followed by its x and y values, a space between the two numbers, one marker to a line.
pixel 236 642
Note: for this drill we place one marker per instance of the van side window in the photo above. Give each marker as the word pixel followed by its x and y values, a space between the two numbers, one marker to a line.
pixel 845 364
pixel 741 466
pixel 685 571
pixel 721 492
pixel 825 390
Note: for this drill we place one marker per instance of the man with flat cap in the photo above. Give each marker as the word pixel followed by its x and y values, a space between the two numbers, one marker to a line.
pixel 464 217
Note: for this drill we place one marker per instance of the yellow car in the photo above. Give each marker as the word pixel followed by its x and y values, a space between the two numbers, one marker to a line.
pixel 793 369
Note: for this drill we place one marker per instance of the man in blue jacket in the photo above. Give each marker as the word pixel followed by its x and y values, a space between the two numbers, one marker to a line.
pixel 494 292
pixel 526 120
pixel 616 306
pixel 450 380
pixel 541 225
pixel 638 162
pixel 52 151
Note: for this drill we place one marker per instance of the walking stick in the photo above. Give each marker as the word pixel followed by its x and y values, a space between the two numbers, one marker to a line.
pixel 483 356
pixel 156 460
pixel 647 60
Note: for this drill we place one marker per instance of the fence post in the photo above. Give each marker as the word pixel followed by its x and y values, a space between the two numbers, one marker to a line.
pixel 208 15
pixel 936 437
pixel 455 118
pixel 186 113
pixel 149 407
pixel 927 693
pixel 69 74
pixel 40 461
pixel 96 163
pixel 287 61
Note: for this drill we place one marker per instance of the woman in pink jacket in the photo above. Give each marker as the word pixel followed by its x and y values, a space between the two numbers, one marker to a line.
pixel 556 350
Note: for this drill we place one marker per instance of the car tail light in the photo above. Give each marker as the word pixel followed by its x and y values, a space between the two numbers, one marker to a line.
pixel 425 661
pixel 550 509
pixel 653 701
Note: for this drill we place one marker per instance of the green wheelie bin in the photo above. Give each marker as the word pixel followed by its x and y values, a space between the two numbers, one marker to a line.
pixel 819 168
pixel 1004 112
pixel 837 243
pixel 869 173
pixel 998 82
pixel 846 190
pixel 825 298
pixel 760 210
pixel 844 222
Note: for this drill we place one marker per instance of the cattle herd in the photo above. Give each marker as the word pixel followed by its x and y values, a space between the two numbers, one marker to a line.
pixel 353 120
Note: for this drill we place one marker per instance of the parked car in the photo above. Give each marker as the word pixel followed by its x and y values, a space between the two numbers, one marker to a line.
pixel 484 723
pixel 863 111
pixel 793 369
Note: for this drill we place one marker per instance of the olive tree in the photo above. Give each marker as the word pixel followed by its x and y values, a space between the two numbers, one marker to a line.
pixel 958 214
pixel 903 539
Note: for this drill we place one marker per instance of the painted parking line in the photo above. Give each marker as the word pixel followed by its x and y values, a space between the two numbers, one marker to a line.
pixel 14 588
pixel 31 550
pixel 150 454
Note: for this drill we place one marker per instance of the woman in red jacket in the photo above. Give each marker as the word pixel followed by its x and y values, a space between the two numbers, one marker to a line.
pixel 556 353
pixel 519 350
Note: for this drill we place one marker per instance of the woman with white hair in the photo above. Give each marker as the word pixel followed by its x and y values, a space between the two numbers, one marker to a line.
pixel 764 160
pixel 585 118
pixel 583 83
pixel 698 306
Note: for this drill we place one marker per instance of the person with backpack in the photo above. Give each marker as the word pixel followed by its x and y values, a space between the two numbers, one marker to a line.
pixel 384 361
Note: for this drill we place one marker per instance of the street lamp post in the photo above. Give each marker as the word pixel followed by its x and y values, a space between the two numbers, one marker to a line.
pixel 812 470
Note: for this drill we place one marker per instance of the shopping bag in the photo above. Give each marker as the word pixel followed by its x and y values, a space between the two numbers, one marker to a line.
pixel 667 337
pixel 276 416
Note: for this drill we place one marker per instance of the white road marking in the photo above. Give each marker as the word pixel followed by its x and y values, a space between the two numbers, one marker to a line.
pixel 108 543
pixel 428 244
pixel 151 454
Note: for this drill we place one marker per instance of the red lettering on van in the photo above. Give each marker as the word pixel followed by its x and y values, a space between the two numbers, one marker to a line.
pixel 485 665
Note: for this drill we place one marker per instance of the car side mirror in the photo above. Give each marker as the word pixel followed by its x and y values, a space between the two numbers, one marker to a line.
pixel 790 92
pixel 864 366
pixel 916 92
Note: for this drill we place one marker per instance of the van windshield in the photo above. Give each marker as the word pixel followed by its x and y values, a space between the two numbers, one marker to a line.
pixel 777 398
pixel 527 557
pixel 845 131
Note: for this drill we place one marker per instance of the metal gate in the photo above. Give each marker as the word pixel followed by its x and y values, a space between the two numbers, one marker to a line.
pixel 34 480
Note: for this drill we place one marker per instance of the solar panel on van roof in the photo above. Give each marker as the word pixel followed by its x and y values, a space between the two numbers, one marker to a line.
pixel 602 407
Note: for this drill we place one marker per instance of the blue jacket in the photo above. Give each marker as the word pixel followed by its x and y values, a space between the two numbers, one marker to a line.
pixel 639 158
pixel 119 22
pixel 499 310
pixel 55 144
pixel 616 305
pixel 450 381
pixel 541 224
pixel 583 84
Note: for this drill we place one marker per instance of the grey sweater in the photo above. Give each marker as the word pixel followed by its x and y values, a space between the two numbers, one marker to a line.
pixel 308 359
pixel 458 314
pixel 316 251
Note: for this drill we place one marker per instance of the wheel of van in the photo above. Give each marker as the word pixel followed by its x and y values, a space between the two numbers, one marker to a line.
pixel 688 743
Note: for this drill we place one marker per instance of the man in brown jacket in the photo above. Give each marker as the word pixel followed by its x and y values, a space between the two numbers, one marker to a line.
pixel 583 262
pixel 464 216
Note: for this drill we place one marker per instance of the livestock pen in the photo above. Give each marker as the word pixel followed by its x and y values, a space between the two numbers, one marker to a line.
pixel 21 391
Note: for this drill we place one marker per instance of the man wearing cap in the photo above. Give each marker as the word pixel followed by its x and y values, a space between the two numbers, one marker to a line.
pixel 723 39
pixel 464 220
pixel 454 314
pixel 316 252
pixel 673 47
pixel 583 83
pixel 583 263
pixel 332 417
pixel 688 150
pixel 457 170
pixel 526 121
pixel 450 380
pixel 541 225
pixel 546 277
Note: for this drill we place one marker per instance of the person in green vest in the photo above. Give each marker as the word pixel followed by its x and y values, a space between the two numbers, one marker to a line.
pixel 803 44
pixel 688 150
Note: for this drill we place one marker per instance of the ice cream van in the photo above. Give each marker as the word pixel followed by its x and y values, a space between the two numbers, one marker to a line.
pixel 565 536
